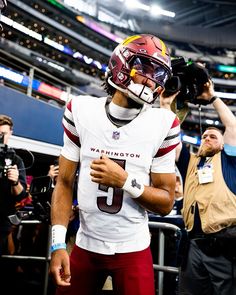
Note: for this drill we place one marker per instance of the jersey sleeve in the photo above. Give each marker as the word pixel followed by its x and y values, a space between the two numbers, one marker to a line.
pixel 164 160
pixel 71 147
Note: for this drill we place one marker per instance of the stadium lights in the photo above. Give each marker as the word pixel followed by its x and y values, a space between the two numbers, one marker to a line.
pixel 209 121
pixel 226 68
pixel 51 64
pixel 136 4
pixel 52 43
pixel 212 122
pixel 154 9
pixel 225 95
pixel 190 139
pixel 21 28
pixel 82 6
pixel 95 27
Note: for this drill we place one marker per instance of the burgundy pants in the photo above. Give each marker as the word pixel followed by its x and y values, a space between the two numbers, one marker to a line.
pixel 132 273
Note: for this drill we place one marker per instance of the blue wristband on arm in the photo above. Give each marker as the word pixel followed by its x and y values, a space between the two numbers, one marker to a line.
pixel 58 246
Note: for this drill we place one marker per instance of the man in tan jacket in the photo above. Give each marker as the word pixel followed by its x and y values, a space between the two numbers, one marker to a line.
pixel 209 207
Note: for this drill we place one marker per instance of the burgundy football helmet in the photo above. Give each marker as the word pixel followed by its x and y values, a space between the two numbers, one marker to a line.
pixel 146 55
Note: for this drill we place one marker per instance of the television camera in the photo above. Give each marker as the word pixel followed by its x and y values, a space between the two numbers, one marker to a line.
pixel 6 157
pixel 189 78
pixel 41 192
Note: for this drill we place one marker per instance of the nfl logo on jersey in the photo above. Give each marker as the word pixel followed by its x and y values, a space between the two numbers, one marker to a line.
pixel 116 135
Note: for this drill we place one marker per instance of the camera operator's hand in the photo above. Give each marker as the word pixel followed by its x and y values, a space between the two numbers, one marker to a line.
pixel 166 101
pixel 208 92
pixel 13 174
pixel 170 103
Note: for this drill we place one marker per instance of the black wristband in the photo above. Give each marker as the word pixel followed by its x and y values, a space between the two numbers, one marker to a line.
pixel 213 99
pixel 15 183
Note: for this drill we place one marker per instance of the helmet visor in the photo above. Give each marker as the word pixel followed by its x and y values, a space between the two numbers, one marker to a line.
pixel 149 68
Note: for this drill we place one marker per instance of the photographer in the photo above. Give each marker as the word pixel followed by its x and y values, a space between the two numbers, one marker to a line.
pixel 209 207
pixel 54 171
pixel 12 181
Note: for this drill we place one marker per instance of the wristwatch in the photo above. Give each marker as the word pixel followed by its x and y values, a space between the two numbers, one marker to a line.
pixel 213 99
pixel 15 183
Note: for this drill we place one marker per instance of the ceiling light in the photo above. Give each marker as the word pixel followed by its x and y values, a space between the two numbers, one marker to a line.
pixel 156 10
pixel 137 4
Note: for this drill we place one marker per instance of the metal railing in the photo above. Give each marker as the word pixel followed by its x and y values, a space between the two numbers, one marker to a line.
pixel 46 259
pixel 160 267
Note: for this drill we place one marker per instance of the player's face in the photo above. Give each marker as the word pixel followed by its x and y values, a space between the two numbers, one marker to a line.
pixel 140 79
pixel 212 143
pixel 148 73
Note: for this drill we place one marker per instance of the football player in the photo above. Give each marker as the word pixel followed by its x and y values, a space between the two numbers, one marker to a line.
pixel 126 151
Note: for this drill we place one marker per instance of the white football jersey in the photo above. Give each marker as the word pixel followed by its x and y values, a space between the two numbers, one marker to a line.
pixel 145 144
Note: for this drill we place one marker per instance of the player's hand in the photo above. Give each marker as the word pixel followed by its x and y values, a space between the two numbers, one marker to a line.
pixel 60 267
pixel 108 172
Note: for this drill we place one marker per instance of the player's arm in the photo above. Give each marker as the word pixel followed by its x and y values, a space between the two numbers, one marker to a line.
pixel 68 163
pixel 60 213
pixel 63 192
pixel 159 198
pixel 62 200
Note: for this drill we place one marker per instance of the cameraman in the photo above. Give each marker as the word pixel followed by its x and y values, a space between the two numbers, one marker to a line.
pixel 12 182
pixel 209 206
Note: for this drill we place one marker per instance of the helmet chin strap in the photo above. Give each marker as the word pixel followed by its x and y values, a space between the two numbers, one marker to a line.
pixel 138 92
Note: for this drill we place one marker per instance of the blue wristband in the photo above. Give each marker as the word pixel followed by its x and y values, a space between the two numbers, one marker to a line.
pixel 58 246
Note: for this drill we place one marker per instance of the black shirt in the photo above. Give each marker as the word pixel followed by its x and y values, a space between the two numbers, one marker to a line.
pixel 7 200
